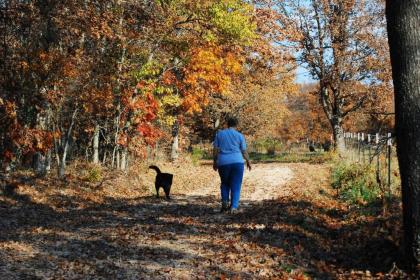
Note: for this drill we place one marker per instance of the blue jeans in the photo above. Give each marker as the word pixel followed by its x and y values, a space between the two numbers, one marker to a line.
pixel 231 176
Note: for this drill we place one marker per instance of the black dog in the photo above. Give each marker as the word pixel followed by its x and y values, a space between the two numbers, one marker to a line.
pixel 163 180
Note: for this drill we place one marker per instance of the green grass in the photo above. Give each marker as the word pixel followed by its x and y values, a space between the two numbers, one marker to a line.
pixel 93 173
pixel 270 146
pixel 356 183
pixel 198 154
pixel 315 157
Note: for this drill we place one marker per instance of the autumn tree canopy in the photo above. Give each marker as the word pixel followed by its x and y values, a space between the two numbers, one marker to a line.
pixel 343 46
pixel 114 77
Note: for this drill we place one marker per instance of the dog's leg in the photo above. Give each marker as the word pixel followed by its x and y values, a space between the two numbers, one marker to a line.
pixel 157 190
pixel 167 192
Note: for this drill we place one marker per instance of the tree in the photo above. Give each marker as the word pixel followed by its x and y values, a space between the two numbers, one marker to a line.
pixel 100 78
pixel 404 40
pixel 338 44
pixel 105 80
pixel 305 118
pixel 256 95
pixel 200 52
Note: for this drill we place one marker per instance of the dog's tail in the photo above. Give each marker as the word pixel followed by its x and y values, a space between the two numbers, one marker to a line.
pixel 154 167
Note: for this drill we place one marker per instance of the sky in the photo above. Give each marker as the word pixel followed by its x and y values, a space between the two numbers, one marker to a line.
pixel 302 76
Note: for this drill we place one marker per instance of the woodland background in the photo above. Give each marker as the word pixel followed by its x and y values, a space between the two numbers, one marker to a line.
pixel 108 81
pixel 93 92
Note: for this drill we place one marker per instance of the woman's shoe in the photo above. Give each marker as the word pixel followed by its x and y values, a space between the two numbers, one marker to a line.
pixel 234 211
pixel 225 207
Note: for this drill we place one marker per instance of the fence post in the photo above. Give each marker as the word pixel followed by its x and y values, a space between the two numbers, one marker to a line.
pixel 345 140
pixel 369 147
pixel 363 146
pixel 346 143
pixel 353 145
pixel 377 153
pixel 389 146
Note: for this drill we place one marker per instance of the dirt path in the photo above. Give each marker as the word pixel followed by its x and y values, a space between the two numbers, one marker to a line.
pixel 290 228
pixel 267 181
pixel 263 182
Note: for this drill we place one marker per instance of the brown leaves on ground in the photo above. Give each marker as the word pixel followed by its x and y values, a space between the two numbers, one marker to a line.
pixel 121 231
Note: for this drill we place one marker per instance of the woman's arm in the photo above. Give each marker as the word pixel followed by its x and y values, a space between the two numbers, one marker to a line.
pixel 248 161
pixel 244 152
pixel 215 155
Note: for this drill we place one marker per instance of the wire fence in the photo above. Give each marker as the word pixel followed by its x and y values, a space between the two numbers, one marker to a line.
pixel 376 150
pixel 273 150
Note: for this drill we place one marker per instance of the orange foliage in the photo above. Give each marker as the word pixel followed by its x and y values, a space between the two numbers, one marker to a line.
pixel 209 70
pixel 305 118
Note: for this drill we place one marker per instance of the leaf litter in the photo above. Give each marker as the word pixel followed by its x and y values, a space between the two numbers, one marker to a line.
pixel 290 226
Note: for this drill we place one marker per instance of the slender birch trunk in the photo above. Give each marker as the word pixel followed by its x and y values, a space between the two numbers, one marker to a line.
pixel 96 144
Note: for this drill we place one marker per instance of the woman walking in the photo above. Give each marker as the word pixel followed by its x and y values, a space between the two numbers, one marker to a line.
pixel 228 159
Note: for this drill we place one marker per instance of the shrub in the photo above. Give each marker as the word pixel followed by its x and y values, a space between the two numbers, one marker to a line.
pixel 93 173
pixel 355 182
pixel 270 146
pixel 197 154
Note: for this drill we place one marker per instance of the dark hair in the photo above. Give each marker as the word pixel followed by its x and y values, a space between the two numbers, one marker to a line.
pixel 232 121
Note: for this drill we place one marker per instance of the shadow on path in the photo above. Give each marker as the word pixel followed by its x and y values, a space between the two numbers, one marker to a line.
pixel 128 239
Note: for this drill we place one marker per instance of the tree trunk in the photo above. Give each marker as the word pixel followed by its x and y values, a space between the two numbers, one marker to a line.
pixel 40 164
pixel 39 160
pixel 116 135
pixel 118 158
pixel 338 135
pixel 63 156
pixel 62 168
pixel 49 160
pixel 174 150
pixel 123 165
pixel 117 120
pixel 96 144
pixel 334 115
pixel 104 158
pixel 175 141
pixel 403 21
pixel 65 142
pixel 114 151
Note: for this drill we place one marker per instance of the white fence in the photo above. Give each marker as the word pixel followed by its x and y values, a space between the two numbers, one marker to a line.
pixel 374 149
